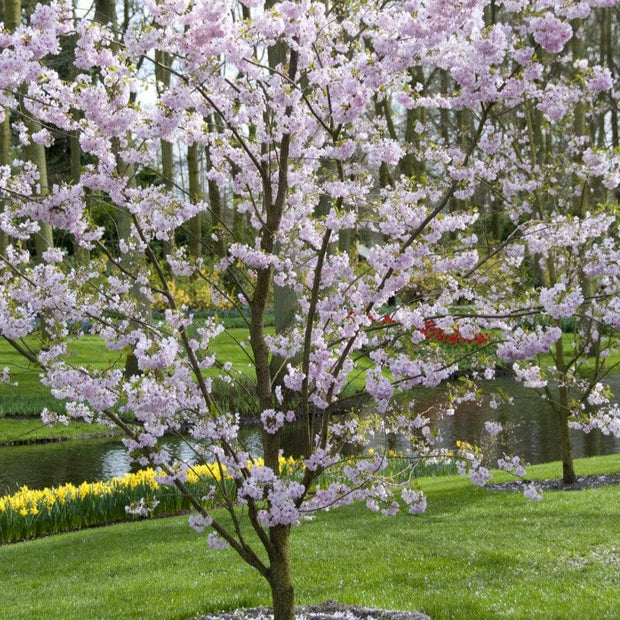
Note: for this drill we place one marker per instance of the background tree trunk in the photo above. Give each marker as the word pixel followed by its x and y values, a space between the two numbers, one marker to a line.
pixel 195 194
pixel 162 77
pixel 105 12
pixel 563 413
pixel 216 204
pixel 8 17
pixel 43 240
pixel 34 152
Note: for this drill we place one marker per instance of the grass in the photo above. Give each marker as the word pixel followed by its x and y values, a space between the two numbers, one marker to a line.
pixel 31 430
pixel 612 361
pixel 29 397
pixel 473 555
pixel 24 402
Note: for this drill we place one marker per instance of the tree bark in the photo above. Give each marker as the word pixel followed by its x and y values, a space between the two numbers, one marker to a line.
pixel 610 48
pixel 216 204
pixel 279 574
pixel 105 12
pixel 34 152
pixel 5 160
pixel 566 445
pixel 581 203
pixel 539 151
pixel 285 301
pixel 195 194
pixel 563 413
pixel 8 17
pixel 43 240
pixel 162 76
pixel 82 255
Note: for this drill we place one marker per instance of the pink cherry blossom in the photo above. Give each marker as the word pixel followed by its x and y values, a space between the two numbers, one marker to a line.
pixel 550 32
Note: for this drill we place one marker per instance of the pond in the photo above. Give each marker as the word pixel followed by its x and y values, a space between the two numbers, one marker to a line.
pixel 529 431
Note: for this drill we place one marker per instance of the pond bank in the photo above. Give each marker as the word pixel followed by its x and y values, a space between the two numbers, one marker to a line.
pixel 30 430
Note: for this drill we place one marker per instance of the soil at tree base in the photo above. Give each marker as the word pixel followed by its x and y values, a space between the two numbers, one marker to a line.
pixel 330 610
pixel 592 481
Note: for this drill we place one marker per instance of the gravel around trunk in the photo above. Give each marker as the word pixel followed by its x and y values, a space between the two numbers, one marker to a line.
pixel 592 481
pixel 330 610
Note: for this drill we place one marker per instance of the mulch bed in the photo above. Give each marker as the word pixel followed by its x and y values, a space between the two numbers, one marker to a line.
pixel 592 481
pixel 330 610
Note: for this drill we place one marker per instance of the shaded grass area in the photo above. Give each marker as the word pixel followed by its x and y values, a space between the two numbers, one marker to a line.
pixel 24 402
pixel 29 397
pixel 474 555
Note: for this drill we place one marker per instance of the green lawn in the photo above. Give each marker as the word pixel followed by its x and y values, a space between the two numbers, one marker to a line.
pixel 30 397
pixel 474 555
pixel 568 339
pixel 31 430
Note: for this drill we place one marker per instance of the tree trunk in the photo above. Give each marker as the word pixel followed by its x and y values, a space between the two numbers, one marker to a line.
pixel 195 194
pixel 566 444
pixel 105 12
pixel 279 572
pixel 216 205
pixel 5 128
pixel 131 262
pixel 5 160
pixel 167 170
pixel 82 256
pixel 563 413
pixel 610 48
pixel 279 575
pixel 34 152
pixel 581 204
pixel 162 75
pixel 43 240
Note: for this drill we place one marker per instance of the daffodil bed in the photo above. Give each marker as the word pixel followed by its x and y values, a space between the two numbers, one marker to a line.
pixel 31 513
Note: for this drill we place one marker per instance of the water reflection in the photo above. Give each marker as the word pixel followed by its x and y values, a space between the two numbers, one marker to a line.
pixel 530 432
pixel 530 428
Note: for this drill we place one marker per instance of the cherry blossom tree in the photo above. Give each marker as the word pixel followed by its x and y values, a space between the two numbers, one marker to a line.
pixel 562 139
pixel 321 119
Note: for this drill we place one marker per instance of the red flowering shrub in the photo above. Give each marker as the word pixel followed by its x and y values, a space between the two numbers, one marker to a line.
pixel 437 334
